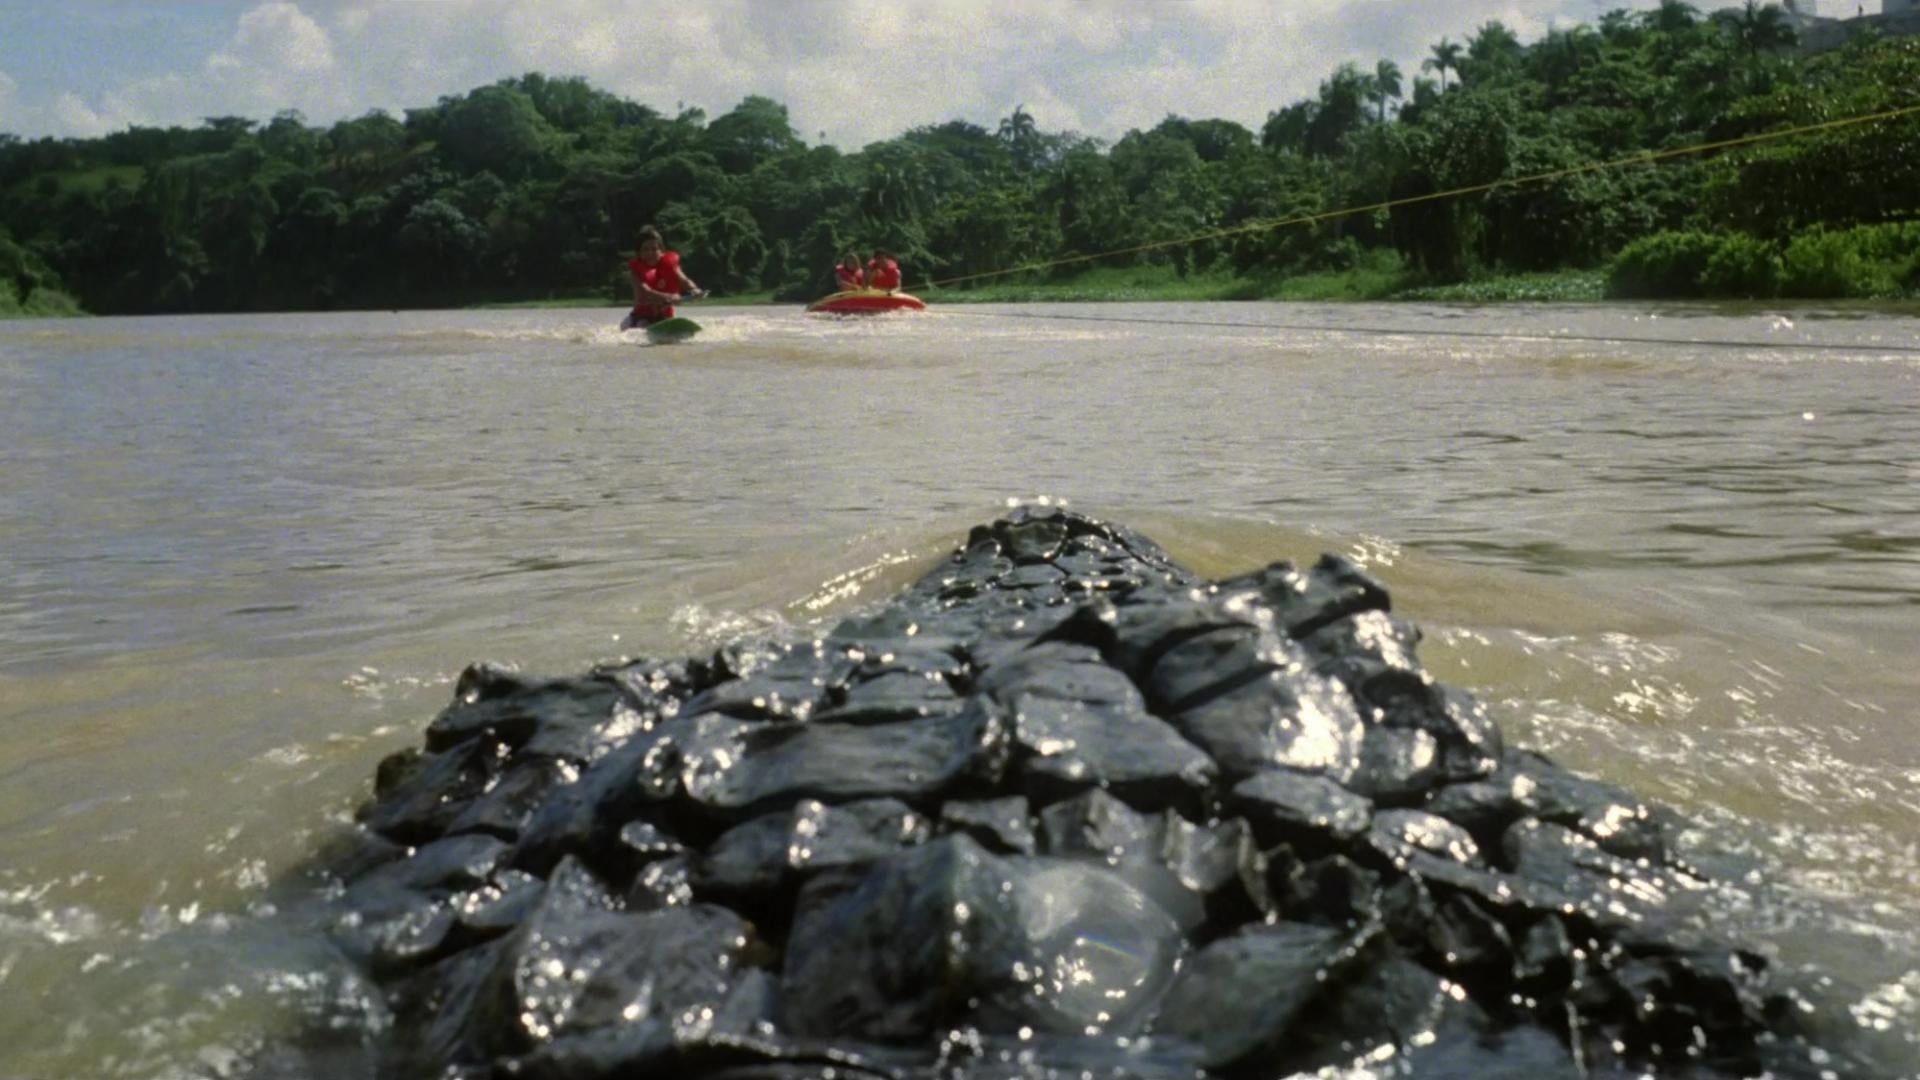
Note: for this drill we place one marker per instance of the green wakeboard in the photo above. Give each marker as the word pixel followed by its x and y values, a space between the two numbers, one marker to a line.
pixel 667 331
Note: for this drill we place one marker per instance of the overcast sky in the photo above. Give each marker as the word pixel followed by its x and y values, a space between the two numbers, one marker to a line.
pixel 851 71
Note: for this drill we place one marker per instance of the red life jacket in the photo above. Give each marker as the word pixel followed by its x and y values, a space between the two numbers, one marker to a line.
pixel 883 275
pixel 662 276
pixel 848 278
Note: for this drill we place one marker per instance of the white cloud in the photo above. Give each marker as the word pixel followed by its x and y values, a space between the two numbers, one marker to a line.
pixel 276 58
pixel 858 70
pixel 278 36
pixel 352 19
pixel 76 117
pixel 68 114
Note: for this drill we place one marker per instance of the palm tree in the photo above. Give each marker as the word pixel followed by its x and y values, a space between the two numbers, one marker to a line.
pixel 1618 26
pixel 893 192
pixel 1758 29
pixel 1386 86
pixel 1672 16
pixel 1424 94
pixel 1446 57
pixel 1562 54
pixel 1342 109
pixel 1493 48
pixel 1021 136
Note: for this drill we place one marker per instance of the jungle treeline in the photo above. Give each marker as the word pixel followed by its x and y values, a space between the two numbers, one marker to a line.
pixel 532 188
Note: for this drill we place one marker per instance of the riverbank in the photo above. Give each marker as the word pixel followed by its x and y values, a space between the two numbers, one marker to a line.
pixel 1380 280
pixel 1557 287
pixel 1384 280
pixel 38 304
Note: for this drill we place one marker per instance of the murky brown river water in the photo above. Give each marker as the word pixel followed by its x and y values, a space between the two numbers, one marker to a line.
pixel 241 559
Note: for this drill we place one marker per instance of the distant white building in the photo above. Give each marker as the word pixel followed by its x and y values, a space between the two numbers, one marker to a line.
pixel 1803 12
pixel 1828 24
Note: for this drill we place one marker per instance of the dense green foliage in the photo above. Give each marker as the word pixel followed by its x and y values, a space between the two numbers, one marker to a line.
pixel 1869 261
pixel 533 187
